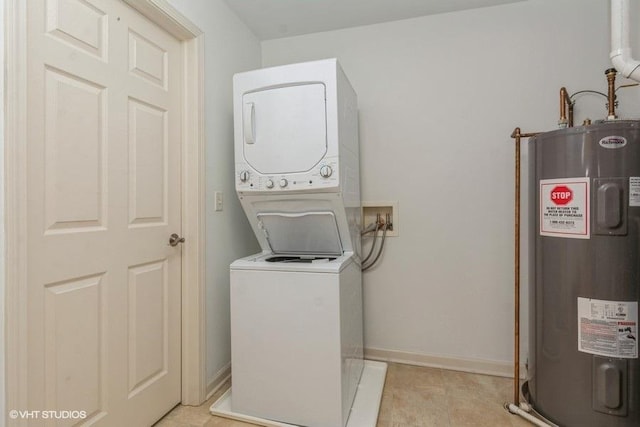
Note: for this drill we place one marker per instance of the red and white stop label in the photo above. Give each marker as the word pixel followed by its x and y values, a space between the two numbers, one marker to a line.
pixel 561 195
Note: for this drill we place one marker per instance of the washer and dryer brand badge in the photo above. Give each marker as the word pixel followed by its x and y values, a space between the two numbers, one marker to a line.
pixel 613 142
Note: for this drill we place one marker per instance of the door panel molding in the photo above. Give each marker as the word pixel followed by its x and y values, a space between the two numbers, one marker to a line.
pixel 192 204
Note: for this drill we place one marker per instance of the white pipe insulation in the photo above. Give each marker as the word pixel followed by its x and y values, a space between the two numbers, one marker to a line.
pixel 620 46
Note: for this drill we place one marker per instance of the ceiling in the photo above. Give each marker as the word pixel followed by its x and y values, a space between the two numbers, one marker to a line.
pixel 271 19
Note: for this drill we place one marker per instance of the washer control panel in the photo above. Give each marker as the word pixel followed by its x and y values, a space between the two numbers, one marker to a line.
pixel 323 175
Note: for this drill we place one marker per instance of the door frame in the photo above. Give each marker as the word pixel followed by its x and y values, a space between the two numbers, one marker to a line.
pixel 193 352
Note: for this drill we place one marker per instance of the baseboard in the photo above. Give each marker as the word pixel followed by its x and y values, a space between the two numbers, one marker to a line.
pixel 218 380
pixel 475 366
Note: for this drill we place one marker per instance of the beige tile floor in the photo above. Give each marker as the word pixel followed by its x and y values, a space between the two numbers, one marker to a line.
pixel 413 396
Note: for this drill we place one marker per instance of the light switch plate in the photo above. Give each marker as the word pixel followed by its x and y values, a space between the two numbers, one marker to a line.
pixel 217 201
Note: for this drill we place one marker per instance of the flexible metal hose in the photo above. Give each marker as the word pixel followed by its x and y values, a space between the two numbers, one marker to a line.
pixel 373 244
pixel 384 235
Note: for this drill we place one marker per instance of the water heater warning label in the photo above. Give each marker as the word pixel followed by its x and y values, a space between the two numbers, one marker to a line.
pixel 564 208
pixel 608 328
pixel 634 191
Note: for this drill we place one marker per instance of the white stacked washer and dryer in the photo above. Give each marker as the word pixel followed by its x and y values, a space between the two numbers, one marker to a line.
pixel 296 307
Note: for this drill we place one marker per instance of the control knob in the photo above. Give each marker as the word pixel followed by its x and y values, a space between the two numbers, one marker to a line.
pixel 269 184
pixel 244 176
pixel 326 171
pixel 283 183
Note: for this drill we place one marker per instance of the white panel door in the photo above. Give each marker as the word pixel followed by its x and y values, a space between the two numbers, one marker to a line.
pixel 285 128
pixel 103 184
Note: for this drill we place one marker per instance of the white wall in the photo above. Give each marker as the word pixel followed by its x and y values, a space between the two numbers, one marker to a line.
pixel 229 48
pixel 439 97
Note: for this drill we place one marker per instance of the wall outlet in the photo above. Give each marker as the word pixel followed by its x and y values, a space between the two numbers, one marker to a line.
pixel 370 210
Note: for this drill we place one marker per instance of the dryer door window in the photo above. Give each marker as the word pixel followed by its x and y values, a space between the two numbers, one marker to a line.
pixel 285 129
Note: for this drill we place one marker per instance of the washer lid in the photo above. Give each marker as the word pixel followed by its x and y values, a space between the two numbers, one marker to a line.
pixel 313 233
pixel 284 128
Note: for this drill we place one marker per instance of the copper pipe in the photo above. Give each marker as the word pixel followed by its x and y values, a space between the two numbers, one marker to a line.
pixel 516 327
pixel 611 94
pixel 517 135
pixel 565 103
pixel 564 97
pixel 570 114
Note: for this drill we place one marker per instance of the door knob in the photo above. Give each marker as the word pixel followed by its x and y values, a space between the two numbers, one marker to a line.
pixel 174 239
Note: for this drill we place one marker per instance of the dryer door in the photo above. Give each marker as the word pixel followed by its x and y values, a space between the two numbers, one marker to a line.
pixel 285 128
pixel 303 233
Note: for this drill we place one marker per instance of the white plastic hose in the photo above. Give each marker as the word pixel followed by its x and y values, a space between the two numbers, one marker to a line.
pixel 620 54
pixel 514 409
